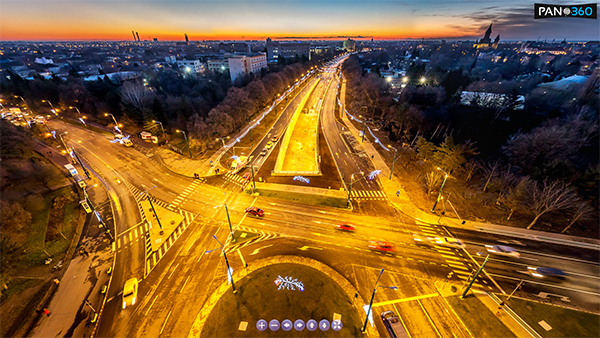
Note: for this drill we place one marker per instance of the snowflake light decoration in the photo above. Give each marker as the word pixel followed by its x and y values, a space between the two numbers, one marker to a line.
pixel 288 283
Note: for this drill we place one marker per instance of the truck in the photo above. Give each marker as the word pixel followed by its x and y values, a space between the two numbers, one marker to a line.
pixel 394 325
pixel 130 292
pixel 239 163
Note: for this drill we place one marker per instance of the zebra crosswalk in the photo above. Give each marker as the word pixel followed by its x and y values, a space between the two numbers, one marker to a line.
pixel 142 230
pixel 187 192
pixel 368 195
pixel 153 257
pixel 235 178
pixel 262 235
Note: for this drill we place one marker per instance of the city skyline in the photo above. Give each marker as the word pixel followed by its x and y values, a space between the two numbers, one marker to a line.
pixel 245 20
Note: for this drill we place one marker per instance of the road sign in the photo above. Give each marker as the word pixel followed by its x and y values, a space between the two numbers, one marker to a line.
pixel 85 206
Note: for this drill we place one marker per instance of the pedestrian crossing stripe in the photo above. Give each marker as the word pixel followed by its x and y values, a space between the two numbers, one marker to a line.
pixel 367 194
pixel 451 257
pixel 462 268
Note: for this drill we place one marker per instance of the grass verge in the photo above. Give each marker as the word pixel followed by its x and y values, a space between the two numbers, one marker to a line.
pixel 304 198
pixel 564 322
pixel 478 318
pixel 258 297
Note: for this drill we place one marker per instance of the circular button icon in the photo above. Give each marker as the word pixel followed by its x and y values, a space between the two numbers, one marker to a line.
pixel 299 325
pixel 336 325
pixel 261 325
pixel 311 325
pixel 286 325
pixel 274 325
pixel 324 325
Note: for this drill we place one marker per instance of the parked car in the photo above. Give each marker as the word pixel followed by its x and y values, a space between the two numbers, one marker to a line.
pixel 381 246
pixel 503 250
pixel 255 211
pixel 274 138
pixel 269 145
pixel 345 227
pixel 263 152
pixel 449 242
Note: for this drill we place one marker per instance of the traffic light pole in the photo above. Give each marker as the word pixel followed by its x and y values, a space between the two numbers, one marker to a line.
pixel 152 206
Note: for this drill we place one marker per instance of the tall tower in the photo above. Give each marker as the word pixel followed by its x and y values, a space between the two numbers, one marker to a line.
pixel 138 36
pixel 186 39
pixel 486 38
pixel 134 39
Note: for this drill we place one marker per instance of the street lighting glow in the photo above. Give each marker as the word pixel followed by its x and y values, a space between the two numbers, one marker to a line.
pixel 422 79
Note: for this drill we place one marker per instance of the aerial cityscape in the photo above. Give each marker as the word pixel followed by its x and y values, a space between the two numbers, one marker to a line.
pixel 299 169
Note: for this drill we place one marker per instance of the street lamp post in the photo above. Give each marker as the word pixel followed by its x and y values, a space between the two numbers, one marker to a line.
pixel 441 188
pixel 63 141
pixel 253 181
pixel 71 107
pixel 22 99
pixel 364 126
pixel 186 141
pixel 227 263
pixel 229 219
pixel 113 117
pixel 350 188
pixel 224 150
pixel 152 206
pixel 394 161
pixel 51 106
pixel 476 275
pixel 81 163
pixel 163 130
pixel 364 328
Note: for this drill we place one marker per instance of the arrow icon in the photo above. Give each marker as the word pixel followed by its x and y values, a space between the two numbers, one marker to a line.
pixel 257 250
pixel 318 234
pixel 306 247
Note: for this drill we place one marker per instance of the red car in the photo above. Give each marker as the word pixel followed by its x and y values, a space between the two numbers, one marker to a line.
pixel 246 177
pixel 274 138
pixel 255 211
pixel 381 246
pixel 345 227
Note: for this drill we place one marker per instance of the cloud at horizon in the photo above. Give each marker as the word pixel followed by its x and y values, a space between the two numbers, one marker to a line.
pixel 245 19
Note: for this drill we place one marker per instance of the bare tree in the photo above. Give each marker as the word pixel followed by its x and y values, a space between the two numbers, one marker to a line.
pixel 551 196
pixel 42 173
pixel 581 211
pixel 490 170
pixel 136 95
pixel 517 195
pixel 432 180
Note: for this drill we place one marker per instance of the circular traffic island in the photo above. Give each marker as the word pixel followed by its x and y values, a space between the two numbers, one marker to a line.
pixel 284 300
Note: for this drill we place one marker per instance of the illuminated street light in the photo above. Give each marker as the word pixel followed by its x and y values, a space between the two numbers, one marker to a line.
pixel 405 79
pixel 70 107
pixel 441 188
pixel 364 328
pixel 224 148
pixel 63 141
pixel 186 141
pixel 229 271
pixel 21 97
pixel 163 130
pixel 51 106
pixel 113 117
pixel 423 79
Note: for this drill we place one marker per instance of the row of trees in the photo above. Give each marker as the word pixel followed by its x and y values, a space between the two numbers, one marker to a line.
pixel 537 161
pixel 208 106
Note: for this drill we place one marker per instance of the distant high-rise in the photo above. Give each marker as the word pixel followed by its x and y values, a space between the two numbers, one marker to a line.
pixel 138 36
pixel 186 38
pixel 486 37
pixel 134 39
pixel 486 41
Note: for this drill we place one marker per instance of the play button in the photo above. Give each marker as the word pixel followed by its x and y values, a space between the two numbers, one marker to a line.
pixel 299 325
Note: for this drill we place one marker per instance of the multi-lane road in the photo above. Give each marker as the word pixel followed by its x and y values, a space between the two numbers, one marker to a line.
pixel 177 279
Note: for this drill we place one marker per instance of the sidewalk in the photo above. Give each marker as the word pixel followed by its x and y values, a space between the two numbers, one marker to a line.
pixel 503 313
pixel 405 205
